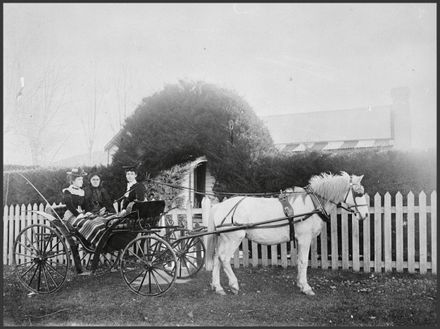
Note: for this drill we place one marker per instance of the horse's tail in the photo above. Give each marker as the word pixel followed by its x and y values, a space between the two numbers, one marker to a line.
pixel 212 240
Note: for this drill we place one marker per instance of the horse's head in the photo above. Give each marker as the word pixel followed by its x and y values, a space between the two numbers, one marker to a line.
pixel 355 200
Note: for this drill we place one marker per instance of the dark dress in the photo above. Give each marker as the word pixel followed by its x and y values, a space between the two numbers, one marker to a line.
pixel 96 198
pixel 138 192
pixel 91 229
pixel 74 199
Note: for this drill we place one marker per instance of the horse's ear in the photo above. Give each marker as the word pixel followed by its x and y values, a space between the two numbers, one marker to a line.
pixel 359 179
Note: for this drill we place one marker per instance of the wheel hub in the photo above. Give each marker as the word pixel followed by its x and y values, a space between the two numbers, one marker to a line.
pixel 39 259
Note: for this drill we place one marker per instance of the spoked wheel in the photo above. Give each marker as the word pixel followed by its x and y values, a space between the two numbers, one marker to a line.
pixel 107 261
pixel 148 266
pixel 172 236
pixel 190 254
pixel 41 259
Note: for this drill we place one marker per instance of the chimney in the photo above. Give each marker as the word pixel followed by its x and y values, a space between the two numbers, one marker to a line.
pixel 401 118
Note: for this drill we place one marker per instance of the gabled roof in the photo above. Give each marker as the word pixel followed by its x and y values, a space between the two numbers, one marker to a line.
pixel 114 141
pixel 368 123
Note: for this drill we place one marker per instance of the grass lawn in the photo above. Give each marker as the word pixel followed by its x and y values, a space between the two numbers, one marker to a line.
pixel 267 297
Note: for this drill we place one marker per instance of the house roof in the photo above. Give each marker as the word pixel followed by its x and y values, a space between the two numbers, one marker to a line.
pixel 114 141
pixel 336 145
pixel 359 124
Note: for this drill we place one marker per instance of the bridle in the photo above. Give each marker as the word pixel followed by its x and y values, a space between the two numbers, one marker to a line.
pixel 351 208
pixel 355 194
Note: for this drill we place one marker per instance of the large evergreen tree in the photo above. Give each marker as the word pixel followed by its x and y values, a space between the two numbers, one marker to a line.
pixel 191 119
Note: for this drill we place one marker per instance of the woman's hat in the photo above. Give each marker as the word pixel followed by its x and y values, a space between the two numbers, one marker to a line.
pixel 77 172
pixel 130 167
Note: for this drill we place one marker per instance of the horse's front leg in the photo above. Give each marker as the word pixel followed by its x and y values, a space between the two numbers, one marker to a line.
pixel 304 242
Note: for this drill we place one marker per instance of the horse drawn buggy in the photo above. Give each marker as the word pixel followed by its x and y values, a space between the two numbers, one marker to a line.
pixel 150 257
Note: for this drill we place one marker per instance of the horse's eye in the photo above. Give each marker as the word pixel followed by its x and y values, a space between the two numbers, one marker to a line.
pixel 358 191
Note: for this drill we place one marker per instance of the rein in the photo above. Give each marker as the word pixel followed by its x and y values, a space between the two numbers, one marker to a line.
pixel 214 194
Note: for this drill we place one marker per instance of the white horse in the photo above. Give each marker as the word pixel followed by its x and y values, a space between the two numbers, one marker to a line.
pixel 316 201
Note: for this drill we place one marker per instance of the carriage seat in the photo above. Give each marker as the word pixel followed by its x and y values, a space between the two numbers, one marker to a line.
pixel 146 213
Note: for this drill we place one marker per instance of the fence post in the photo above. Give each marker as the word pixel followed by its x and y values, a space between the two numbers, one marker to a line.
pixel 5 234
pixel 14 232
pixel 344 239
pixel 434 232
pixel 367 239
pixel 206 207
pixel 377 233
pixel 355 243
pixel 334 239
pixel 21 225
pixel 387 232
pixel 399 232
pixel 411 225
pixel 422 233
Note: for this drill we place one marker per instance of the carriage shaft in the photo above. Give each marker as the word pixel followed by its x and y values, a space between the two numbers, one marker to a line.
pixel 236 227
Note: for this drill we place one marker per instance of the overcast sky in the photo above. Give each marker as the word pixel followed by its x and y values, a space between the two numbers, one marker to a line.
pixel 282 58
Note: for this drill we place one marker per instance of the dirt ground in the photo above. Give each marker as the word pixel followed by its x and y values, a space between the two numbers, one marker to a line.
pixel 267 297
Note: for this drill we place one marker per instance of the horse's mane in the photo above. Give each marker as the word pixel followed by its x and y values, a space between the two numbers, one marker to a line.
pixel 331 187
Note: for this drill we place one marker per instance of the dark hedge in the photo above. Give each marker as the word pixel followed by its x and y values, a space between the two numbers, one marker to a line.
pixel 385 171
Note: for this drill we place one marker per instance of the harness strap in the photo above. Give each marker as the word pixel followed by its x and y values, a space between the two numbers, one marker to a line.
pixel 233 209
pixel 288 211
pixel 318 204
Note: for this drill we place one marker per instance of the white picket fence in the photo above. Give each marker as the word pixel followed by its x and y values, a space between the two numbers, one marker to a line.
pixel 396 237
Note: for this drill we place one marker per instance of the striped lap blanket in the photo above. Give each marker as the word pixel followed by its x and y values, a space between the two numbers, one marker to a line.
pixel 92 229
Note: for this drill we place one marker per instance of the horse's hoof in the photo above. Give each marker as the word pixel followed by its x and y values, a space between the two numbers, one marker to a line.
pixel 234 291
pixel 220 292
pixel 309 292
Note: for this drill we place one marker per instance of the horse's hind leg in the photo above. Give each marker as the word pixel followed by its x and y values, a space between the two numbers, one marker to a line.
pixel 215 283
pixel 304 242
pixel 227 246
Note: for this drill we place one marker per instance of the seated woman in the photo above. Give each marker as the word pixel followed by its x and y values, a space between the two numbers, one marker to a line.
pixel 135 190
pixel 73 198
pixel 97 199
pixel 91 229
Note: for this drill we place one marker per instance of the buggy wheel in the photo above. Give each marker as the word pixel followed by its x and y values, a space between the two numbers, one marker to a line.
pixel 190 254
pixel 107 261
pixel 148 265
pixel 41 259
